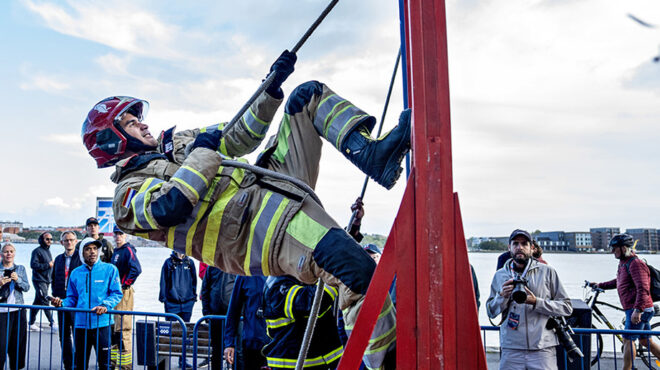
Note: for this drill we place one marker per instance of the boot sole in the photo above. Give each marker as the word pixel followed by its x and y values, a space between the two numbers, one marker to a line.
pixel 389 178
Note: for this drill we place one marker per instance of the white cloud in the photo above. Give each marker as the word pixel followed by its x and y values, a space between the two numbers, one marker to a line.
pixel 63 139
pixel 45 83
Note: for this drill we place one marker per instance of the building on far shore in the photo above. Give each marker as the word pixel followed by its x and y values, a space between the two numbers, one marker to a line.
pixel 601 236
pixel 579 241
pixel 13 227
pixel 647 238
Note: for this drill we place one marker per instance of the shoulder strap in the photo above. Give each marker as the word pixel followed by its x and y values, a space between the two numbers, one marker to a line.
pixel 627 264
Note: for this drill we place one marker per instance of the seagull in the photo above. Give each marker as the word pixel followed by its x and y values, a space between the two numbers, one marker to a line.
pixel 645 24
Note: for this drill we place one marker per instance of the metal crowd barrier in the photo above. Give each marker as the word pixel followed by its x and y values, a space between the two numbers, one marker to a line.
pixel 210 335
pixel 608 350
pixel 158 338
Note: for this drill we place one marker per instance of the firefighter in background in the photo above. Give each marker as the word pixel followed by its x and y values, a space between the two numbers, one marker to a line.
pixel 287 303
pixel 128 265
pixel 176 190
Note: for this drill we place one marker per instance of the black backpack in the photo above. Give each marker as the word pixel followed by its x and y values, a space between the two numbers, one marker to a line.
pixel 655 279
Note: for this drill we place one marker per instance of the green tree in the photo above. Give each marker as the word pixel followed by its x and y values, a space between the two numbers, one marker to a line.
pixel 492 245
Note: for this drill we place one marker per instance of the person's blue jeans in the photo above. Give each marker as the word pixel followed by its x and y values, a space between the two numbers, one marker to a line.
pixel 644 324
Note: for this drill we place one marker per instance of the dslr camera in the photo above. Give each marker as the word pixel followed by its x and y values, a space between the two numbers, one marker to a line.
pixel 519 294
pixel 563 332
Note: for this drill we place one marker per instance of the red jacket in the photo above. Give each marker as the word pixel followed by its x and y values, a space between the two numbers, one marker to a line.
pixel 634 288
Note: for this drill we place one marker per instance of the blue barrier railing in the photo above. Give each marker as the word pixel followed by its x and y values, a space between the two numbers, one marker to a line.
pixel 17 335
pixel 648 358
pixel 216 346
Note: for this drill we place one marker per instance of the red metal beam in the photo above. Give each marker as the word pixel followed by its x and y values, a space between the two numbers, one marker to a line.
pixel 426 244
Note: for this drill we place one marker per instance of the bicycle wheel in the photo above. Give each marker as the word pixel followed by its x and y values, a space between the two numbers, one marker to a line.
pixel 599 346
pixel 643 353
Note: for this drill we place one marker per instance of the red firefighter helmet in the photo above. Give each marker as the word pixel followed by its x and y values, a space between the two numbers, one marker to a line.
pixel 105 141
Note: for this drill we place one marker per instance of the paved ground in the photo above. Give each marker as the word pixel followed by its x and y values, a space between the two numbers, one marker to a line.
pixel 47 345
pixel 606 363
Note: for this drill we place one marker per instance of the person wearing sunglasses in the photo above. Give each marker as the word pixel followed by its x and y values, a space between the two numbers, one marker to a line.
pixel 42 269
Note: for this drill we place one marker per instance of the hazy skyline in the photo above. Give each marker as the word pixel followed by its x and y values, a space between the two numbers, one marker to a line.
pixel 554 103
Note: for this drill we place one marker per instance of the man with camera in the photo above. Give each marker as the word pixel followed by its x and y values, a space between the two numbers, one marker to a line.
pixel 527 294
pixel 632 282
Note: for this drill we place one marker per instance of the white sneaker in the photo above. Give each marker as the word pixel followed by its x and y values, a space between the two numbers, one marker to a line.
pixel 34 327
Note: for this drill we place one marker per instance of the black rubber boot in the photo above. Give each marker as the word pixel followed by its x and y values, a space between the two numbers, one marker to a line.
pixel 379 159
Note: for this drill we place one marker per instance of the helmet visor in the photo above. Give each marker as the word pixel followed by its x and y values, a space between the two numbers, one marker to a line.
pixel 138 108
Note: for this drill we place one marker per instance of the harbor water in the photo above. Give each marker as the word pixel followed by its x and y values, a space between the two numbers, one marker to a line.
pixel 572 268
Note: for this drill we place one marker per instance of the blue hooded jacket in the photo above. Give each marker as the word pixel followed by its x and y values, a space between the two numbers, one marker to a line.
pixel 91 287
pixel 178 284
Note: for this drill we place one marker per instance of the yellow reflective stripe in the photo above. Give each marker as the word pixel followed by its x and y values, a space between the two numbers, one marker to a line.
pixel 381 348
pixel 170 237
pixel 332 291
pixel 357 116
pixel 329 124
pixel 374 340
pixel 332 356
pixel 278 323
pixel 269 236
pixel 288 303
pixel 306 230
pixel 140 202
pixel 189 187
pixel 202 210
pixel 255 221
pixel 215 219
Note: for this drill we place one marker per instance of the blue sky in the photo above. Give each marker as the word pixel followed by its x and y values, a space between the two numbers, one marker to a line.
pixel 554 103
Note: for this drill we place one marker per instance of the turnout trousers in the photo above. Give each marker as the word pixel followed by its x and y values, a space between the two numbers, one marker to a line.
pixel 122 344
pixel 314 245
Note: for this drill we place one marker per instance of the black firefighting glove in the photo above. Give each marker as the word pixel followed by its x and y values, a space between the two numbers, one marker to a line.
pixel 282 68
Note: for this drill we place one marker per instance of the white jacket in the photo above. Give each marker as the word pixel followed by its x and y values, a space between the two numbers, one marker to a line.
pixel 551 300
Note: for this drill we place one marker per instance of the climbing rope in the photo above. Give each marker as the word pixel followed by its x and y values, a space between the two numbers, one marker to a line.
pixel 380 129
pixel 269 79
pixel 311 322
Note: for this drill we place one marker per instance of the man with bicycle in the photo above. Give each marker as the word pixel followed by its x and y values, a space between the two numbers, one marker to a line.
pixel 632 282
pixel 527 293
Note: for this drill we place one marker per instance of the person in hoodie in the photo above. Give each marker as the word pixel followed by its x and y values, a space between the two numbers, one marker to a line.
pixel 178 287
pixel 41 263
pixel 64 265
pixel 95 287
pixel 94 231
pixel 246 301
pixel 525 341
pixel 125 258
pixel 215 294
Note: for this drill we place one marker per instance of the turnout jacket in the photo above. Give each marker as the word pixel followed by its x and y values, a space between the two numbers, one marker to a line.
pixel 199 207
pixel 125 258
pixel 287 303
pixel 60 280
pixel 178 284
pixel 524 325
pixel 90 287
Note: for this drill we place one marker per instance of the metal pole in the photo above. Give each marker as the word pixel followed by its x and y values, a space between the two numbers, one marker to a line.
pixel 264 85
pixel 311 322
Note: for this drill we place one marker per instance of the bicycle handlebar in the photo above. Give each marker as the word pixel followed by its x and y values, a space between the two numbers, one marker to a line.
pixel 593 288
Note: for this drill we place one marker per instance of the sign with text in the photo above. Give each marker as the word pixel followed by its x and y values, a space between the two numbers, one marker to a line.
pixel 104 215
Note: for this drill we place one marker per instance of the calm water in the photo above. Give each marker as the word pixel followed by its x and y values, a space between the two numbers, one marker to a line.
pixel 573 269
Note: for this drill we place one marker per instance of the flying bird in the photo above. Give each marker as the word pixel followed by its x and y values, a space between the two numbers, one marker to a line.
pixel 645 24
